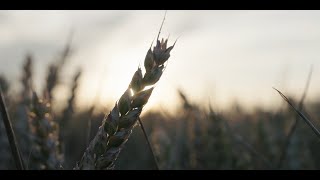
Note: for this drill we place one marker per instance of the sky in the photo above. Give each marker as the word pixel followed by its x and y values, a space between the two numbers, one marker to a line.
pixel 221 57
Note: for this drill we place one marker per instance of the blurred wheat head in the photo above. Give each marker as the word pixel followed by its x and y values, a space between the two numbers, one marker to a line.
pixel 44 133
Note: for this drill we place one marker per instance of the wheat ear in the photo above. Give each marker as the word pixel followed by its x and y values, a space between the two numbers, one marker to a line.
pixel 54 70
pixel 26 80
pixel 44 135
pixel 117 126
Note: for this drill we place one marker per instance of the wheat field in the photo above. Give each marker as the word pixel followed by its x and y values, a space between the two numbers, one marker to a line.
pixel 54 116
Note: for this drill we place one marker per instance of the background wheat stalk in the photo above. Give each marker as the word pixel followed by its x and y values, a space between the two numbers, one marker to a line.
pixel 69 110
pixel 309 122
pixel 21 124
pixel 10 133
pixel 55 69
pixel 295 124
pixel 117 126
pixel 44 133
pixel 68 114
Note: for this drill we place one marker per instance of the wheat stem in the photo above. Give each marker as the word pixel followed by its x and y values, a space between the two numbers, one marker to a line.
pixel 117 126
pixel 295 124
pixel 309 123
pixel 149 145
pixel 10 133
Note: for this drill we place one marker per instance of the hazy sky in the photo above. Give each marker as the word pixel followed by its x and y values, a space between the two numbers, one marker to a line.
pixel 221 55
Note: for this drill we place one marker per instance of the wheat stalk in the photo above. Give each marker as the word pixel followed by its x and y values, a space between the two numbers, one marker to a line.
pixel 309 122
pixel 22 110
pixel 10 133
pixel 54 70
pixel 295 124
pixel 149 144
pixel 26 80
pixel 117 126
pixel 69 109
pixel 68 113
pixel 44 135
